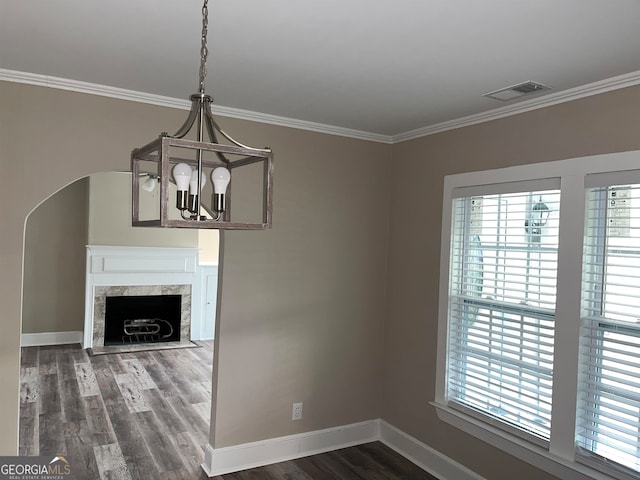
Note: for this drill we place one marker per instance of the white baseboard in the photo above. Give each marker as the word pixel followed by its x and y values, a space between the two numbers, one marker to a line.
pixel 49 338
pixel 220 461
pixel 423 455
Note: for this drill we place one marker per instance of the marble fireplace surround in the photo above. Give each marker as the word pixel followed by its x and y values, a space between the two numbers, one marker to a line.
pixel 137 271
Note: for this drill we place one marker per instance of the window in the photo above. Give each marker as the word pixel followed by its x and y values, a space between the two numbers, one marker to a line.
pixel 502 308
pixel 539 313
pixel 609 403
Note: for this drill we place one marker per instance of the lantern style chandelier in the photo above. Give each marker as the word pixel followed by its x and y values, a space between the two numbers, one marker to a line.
pixel 190 162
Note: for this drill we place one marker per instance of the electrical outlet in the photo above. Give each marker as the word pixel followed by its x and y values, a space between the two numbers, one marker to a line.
pixel 297 411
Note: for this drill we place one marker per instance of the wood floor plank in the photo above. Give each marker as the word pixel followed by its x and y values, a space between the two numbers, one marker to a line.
pixel 71 401
pixel 29 431
pixel 47 361
pixel 109 389
pixel 159 442
pixel 134 449
pixel 86 378
pixel 170 421
pixel 332 462
pixel 191 418
pixel 132 444
pixel 65 363
pixel 49 395
pixel 204 409
pixel 393 463
pixel 204 353
pixel 289 470
pixel 142 468
pixel 190 451
pixel 29 384
pixel 202 360
pixel 202 370
pixel 158 374
pixel 144 358
pixel 78 354
pixel 200 392
pixel 111 462
pixel 315 469
pixel 69 393
pixel 363 465
pixel 180 474
pixel 51 438
pixel 29 357
pixel 131 393
pixel 139 373
pixel 79 448
pixel 191 366
pixel 99 421
pixel 125 430
pixel 179 375
pixel 116 363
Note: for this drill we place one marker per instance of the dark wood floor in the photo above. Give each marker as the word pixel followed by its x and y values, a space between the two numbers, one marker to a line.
pixel 371 461
pixel 145 416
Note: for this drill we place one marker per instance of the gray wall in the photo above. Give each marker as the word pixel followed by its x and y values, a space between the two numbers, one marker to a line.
pixel 54 262
pixel 303 305
pixel 600 124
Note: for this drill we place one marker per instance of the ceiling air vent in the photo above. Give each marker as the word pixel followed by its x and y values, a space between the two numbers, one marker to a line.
pixel 515 91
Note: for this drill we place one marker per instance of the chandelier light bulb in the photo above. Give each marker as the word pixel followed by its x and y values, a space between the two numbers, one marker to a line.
pixel 149 184
pixel 193 182
pixel 182 176
pixel 220 178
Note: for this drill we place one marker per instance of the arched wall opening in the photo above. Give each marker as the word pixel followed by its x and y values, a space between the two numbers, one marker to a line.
pixel 93 210
pixel 50 138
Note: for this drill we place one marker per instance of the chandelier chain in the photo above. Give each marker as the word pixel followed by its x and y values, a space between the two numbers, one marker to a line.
pixel 204 50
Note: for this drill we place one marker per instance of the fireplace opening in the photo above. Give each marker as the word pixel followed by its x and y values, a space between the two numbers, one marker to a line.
pixel 142 319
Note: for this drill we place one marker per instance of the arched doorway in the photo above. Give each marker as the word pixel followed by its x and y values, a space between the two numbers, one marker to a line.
pixel 72 403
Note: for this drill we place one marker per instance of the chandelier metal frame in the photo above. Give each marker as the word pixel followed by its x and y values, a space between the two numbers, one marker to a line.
pixel 169 150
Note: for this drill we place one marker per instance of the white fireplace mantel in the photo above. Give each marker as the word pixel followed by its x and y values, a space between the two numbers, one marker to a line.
pixel 125 266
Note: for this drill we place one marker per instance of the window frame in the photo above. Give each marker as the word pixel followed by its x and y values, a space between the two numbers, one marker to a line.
pixel 559 457
pixel 596 308
pixel 506 249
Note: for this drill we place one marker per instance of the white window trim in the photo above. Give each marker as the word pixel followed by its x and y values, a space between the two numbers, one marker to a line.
pixel 573 173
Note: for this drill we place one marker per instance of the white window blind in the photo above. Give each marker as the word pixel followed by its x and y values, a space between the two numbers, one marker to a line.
pixel 502 297
pixel 608 423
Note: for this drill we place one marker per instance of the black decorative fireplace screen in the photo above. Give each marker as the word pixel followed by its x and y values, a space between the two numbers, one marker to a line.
pixel 142 319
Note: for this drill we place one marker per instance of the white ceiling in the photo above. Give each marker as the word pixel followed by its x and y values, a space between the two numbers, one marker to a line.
pixel 379 66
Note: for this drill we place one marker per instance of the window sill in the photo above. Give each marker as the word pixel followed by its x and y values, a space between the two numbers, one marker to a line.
pixel 563 468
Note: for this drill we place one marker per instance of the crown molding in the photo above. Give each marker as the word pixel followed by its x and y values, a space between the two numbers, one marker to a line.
pixel 92 89
pixel 142 97
pixel 603 86
pixel 300 124
pixel 595 88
